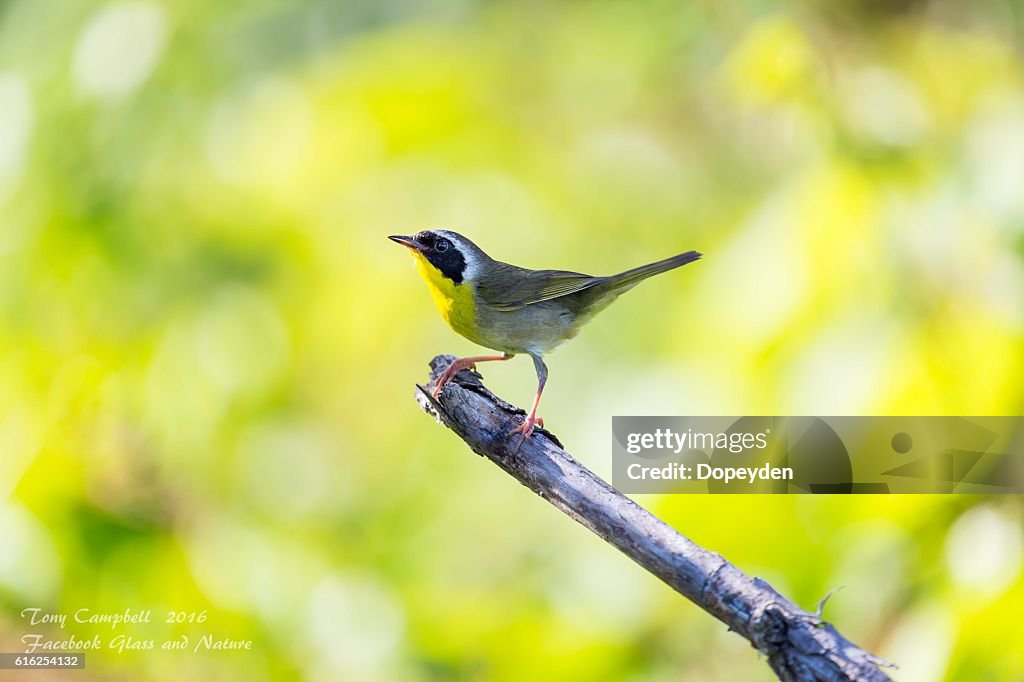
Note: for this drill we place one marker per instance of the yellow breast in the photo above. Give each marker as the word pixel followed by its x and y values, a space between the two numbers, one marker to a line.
pixel 453 301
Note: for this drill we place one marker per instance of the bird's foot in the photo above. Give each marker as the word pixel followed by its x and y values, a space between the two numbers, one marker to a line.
pixel 526 430
pixel 460 364
pixel 448 374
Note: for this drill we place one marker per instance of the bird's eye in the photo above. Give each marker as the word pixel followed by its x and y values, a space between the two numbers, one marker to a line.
pixel 442 245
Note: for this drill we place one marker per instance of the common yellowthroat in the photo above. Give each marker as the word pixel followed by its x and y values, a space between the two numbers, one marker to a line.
pixel 512 309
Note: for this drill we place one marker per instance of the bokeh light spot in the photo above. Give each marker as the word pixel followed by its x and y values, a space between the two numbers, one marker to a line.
pixel 29 564
pixel 119 48
pixel 884 107
pixel 261 133
pixel 16 118
pixel 984 550
pixel 359 612
pixel 242 341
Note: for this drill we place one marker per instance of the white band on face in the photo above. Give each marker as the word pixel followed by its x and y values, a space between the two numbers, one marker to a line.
pixel 468 250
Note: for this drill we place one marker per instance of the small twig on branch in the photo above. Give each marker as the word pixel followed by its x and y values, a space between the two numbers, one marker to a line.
pixel 799 646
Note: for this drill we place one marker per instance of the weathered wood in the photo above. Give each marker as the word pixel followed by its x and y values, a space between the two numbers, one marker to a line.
pixel 799 646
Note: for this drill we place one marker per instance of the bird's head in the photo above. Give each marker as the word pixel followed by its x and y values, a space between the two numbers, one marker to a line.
pixel 453 255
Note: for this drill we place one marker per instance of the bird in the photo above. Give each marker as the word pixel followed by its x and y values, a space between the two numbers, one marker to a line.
pixel 514 310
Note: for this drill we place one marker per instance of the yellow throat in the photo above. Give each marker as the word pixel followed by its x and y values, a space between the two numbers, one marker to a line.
pixel 453 301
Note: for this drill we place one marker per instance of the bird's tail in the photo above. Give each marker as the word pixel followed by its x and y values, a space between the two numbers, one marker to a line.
pixel 630 278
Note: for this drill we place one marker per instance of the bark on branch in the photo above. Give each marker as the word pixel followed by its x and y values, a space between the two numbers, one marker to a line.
pixel 799 646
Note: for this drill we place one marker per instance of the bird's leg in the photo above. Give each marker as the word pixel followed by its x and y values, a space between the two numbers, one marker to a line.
pixel 460 364
pixel 526 428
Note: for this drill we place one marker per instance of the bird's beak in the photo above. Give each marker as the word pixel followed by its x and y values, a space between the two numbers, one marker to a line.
pixel 406 241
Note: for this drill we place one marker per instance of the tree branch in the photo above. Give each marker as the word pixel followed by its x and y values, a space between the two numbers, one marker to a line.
pixel 799 646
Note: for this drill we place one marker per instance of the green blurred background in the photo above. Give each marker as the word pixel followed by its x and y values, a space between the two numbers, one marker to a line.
pixel 208 347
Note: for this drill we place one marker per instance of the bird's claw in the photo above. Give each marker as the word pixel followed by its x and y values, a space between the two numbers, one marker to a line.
pixel 447 375
pixel 526 430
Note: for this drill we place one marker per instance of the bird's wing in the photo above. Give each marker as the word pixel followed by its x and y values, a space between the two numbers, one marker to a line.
pixel 530 286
